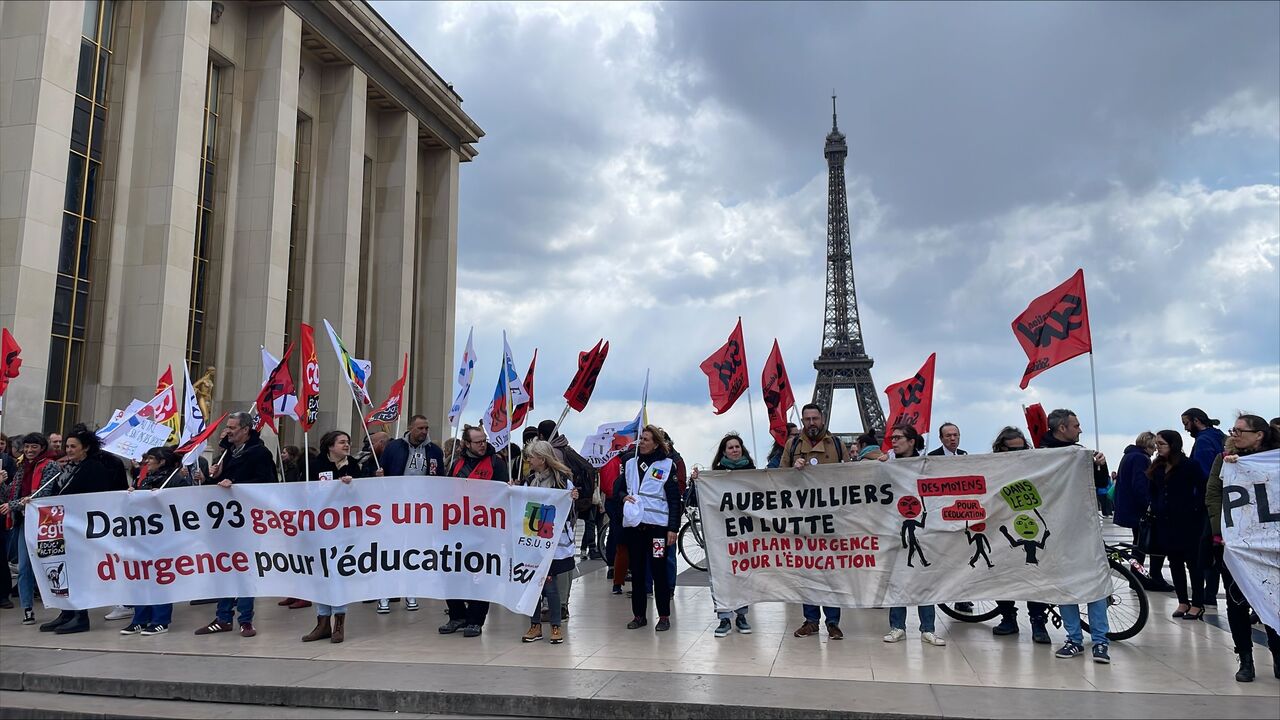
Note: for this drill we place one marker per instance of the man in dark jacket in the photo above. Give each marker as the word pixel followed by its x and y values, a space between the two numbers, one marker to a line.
pixel 1208 446
pixel 949 434
pixel 414 454
pixel 244 460
pixel 478 461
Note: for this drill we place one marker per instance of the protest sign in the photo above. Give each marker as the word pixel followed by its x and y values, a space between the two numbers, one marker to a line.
pixel 134 436
pixel 1251 530
pixel 327 542
pixel 919 531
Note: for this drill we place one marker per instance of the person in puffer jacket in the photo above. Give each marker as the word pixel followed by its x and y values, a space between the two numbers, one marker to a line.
pixel 548 472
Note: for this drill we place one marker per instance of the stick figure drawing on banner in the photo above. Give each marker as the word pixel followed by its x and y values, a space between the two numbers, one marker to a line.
pixel 1027 528
pixel 910 508
pixel 978 538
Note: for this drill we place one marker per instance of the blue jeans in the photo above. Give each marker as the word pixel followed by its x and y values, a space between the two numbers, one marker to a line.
pixel 550 595
pixel 832 613
pixel 26 575
pixel 927 613
pixel 1098 627
pixel 153 615
pixel 243 605
pixel 323 610
pixel 740 611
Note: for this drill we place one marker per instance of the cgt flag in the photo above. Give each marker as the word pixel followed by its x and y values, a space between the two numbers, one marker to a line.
pixel 309 391
pixel 278 385
pixel 778 398
pixel 1037 423
pixel 726 371
pixel 1054 328
pixel 521 411
pixel 167 413
pixel 584 381
pixel 10 360
pixel 389 411
pixel 911 401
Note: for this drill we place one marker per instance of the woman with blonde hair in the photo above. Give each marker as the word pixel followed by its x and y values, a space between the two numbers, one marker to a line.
pixel 546 471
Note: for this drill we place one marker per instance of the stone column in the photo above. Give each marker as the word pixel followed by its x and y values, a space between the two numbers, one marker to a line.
pixel 259 256
pixel 438 273
pixel 395 177
pixel 335 253
pixel 39 46
pixel 154 221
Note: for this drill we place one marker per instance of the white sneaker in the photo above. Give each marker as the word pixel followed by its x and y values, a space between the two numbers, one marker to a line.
pixel 384 606
pixel 120 612
pixel 932 639
pixel 411 604
pixel 895 635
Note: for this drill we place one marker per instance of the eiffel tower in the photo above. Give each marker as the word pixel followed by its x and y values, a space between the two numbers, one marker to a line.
pixel 843 362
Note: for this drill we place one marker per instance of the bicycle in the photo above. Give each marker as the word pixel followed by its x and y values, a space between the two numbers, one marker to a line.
pixel 691 542
pixel 1127 605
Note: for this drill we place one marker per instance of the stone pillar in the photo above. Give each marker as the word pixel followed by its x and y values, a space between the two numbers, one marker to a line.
pixel 335 254
pixel 395 177
pixel 154 223
pixel 438 285
pixel 259 256
pixel 39 47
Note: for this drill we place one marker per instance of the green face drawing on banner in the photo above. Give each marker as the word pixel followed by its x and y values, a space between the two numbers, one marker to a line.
pixel 1026 526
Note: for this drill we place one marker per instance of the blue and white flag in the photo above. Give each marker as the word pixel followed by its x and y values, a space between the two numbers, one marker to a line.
pixel 466 368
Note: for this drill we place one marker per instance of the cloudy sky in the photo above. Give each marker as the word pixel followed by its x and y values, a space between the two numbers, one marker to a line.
pixel 652 171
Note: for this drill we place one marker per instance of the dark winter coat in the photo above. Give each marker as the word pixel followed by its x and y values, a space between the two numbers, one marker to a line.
pixel 1133 494
pixel 1177 502
pixel 253 463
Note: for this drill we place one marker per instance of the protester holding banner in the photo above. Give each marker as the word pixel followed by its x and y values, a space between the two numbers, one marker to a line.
pixel 731 455
pixel 907 443
pixel 414 454
pixel 775 452
pixel 28 478
pixel 244 460
pixel 1177 502
pixel 867 447
pixel 650 520
pixel 478 461
pixel 546 471
pixel 1011 439
pixel 815 446
pixel 164 469
pixel 1251 434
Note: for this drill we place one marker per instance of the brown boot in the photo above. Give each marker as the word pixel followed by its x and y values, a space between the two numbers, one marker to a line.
pixel 320 632
pixel 339 628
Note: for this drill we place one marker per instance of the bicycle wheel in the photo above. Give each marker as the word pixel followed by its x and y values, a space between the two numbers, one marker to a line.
pixel 983 610
pixel 1127 605
pixel 692 552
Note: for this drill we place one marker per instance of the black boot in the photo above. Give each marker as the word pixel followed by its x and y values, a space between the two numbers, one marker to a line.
pixel 79 623
pixel 1245 673
pixel 63 618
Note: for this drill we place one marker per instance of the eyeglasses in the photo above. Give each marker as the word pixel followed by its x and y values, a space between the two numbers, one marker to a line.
pixel 897 437
pixel 1235 432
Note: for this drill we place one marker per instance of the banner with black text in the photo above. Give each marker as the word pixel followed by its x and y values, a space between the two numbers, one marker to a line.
pixel 326 542
pixel 919 531
pixel 1251 530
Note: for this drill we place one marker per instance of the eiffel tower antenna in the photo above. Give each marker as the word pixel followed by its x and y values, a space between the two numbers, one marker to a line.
pixel 843 362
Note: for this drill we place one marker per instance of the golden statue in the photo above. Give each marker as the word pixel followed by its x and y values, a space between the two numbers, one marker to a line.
pixel 203 389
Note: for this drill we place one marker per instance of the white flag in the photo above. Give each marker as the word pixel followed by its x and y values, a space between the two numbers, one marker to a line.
pixel 466 368
pixel 193 420
pixel 286 405
pixel 355 370
pixel 507 394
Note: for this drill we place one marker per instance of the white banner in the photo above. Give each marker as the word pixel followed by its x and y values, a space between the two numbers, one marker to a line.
pixel 1007 526
pixel 326 542
pixel 1251 530
pixel 134 436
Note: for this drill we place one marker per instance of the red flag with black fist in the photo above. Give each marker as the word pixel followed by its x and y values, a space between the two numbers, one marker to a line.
pixel 584 381
pixel 1037 423
pixel 911 401
pixel 1054 328
pixel 726 371
pixel 279 383
pixel 778 398
pixel 9 359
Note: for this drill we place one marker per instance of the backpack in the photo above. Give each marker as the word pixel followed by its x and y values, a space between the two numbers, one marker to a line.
pixel 584 478
pixel 795 443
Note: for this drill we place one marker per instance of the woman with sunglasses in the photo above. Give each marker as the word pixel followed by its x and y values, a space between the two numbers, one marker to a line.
pixel 905 443
pixel 1251 434
pixel 731 455
pixel 1177 502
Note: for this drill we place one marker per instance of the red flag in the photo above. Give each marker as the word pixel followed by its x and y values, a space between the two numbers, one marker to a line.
pixel 9 360
pixel 584 381
pixel 278 384
pixel 911 401
pixel 309 391
pixel 389 410
pixel 204 435
pixel 726 371
pixel 167 408
pixel 778 398
pixel 521 411
pixel 1054 328
pixel 1037 423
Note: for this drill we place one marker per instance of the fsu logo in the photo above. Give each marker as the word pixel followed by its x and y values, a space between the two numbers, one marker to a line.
pixel 539 520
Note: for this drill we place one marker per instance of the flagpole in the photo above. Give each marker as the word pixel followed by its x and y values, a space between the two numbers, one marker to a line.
pixel 306 457
pixel 755 450
pixel 563 414
pixel 166 480
pixel 1093 381
pixel 400 417
pixel 365 424
pixel 506 387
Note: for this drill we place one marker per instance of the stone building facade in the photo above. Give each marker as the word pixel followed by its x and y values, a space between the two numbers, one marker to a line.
pixel 192 180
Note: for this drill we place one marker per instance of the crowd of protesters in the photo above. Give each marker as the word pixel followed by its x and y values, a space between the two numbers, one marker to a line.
pixel 1170 498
